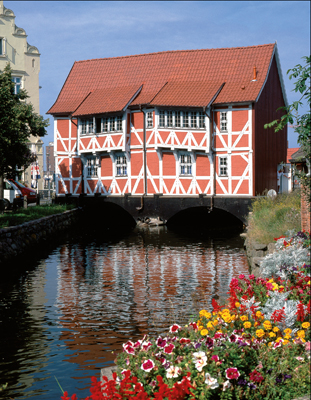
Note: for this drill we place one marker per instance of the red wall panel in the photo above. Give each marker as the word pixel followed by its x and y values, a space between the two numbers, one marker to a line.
pixel 76 167
pixel 169 164
pixel 106 166
pixel 64 168
pixel 202 165
pixel 136 163
pixel 63 127
pixel 153 163
pixel 239 119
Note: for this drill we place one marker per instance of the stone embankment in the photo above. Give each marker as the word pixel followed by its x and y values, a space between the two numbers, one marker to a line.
pixel 255 253
pixel 17 240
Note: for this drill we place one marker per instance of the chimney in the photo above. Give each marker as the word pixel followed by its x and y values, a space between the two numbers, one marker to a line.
pixel 254 73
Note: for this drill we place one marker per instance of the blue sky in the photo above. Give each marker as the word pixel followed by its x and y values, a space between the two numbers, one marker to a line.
pixel 68 31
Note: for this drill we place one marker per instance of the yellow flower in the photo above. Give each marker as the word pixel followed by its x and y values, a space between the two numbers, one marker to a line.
pixel 258 314
pixel 275 286
pixel 210 325
pixel 278 339
pixel 272 334
pixel 285 341
pixel 270 344
pixel 243 318
pixel 275 329
pixel 215 322
pixel 267 325
pixel 305 325
pixel 260 333
pixel 256 323
pixel 227 318
pixel 301 334
pixel 237 304
pixel 287 331
pixel 204 332
pixel 200 327
pixel 226 311
pixel 247 324
pixel 206 314
pixel 287 336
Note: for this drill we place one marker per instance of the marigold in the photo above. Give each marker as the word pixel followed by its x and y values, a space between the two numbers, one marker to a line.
pixel 258 314
pixel 287 336
pixel 301 334
pixel 200 327
pixel 210 325
pixel 275 329
pixel 204 332
pixel 267 325
pixel 243 318
pixel 206 314
pixel 260 333
pixel 237 304
pixel 272 334
pixel 287 331
pixel 256 323
pixel 305 325
pixel 285 341
pixel 215 322
pixel 247 324
pixel 270 344
pixel 227 318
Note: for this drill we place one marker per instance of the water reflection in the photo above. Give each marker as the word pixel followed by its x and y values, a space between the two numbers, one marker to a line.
pixel 90 295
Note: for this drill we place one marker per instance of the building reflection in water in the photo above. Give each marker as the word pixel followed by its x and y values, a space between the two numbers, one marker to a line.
pixel 110 293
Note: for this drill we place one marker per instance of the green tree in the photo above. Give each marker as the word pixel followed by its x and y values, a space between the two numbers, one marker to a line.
pixel 18 121
pixel 301 122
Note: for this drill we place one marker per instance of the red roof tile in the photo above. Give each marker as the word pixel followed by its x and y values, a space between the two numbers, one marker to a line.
pixel 191 94
pixel 107 100
pixel 290 152
pixel 231 65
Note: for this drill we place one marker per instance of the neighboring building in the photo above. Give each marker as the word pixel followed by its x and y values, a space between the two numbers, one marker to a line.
pixel 25 63
pixel 175 123
pixel 49 166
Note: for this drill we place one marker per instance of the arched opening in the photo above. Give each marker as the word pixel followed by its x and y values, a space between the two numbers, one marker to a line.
pixel 200 221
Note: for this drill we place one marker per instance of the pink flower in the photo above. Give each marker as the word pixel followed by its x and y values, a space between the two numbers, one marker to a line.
pixel 308 346
pixel 175 328
pixel 161 342
pixel 147 365
pixel 169 348
pixel 146 345
pixel 252 276
pixel 232 373
pixel 128 347
pixel 215 358
pixel 193 325
pixel 241 276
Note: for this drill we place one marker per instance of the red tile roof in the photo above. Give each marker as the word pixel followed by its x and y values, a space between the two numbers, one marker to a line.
pixel 231 65
pixel 290 152
pixel 107 100
pixel 191 94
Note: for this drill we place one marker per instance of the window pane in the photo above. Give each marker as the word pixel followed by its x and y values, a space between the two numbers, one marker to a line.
pixel 91 125
pixel 111 124
pixel 162 119
pixel 98 125
pixel 201 120
pixel 105 124
pixel 177 119
pixel 170 119
pixel 119 123
pixel 193 116
pixel 185 119
pixel 149 117
pixel 223 121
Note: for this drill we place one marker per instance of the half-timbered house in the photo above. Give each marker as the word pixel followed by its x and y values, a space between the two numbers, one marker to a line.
pixel 175 123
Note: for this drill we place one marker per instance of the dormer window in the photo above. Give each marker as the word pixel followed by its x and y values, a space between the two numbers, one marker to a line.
pixel 181 119
pixel 101 125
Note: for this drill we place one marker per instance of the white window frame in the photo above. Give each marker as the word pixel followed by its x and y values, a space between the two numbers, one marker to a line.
pixel 92 167
pixel 185 164
pixel 87 128
pixel 121 167
pixel 149 119
pixel 223 166
pixel 223 121
pixel 2 47
pixel 17 84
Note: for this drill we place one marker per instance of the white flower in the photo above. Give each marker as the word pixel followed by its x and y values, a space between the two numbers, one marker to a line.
pixel 212 382
pixel 227 384
pixel 172 372
pixel 199 359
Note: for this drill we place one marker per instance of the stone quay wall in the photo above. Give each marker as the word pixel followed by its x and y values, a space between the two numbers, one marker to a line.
pixel 17 240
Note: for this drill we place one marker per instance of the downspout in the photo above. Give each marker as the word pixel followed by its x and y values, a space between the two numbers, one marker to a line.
pixel 81 158
pixel 144 161
pixel 213 157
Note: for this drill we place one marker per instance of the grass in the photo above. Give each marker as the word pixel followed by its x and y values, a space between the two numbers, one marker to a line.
pixel 273 218
pixel 22 215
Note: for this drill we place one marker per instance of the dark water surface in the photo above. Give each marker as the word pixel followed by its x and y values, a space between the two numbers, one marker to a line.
pixel 67 313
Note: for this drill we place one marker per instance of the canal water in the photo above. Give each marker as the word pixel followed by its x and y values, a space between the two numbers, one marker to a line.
pixel 68 312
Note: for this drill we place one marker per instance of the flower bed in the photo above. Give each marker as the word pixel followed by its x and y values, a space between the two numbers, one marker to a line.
pixel 256 346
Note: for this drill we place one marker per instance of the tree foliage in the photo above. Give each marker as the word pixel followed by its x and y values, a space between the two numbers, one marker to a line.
pixel 301 122
pixel 18 121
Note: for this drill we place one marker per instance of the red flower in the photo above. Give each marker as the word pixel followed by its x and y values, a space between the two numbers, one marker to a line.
pixel 256 376
pixel 232 373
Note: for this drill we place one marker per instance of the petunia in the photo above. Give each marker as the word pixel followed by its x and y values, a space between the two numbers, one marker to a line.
pixel 211 382
pixel 161 342
pixel 169 348
pixel 199 358
pixel 173 372
pixel 226 385
pixel 175 328
pixel 232 373
pixel 147 365
pixel 128 347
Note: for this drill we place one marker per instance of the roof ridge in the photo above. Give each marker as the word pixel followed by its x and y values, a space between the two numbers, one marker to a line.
pixel 176 51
